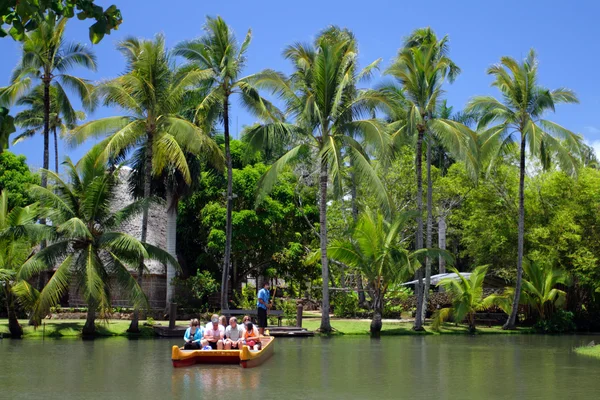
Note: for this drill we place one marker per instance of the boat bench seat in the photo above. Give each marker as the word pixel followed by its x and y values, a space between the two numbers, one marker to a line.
pixel 253 314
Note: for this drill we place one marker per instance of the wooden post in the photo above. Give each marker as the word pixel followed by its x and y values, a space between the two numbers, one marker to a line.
pixel 299 310
pixel 172 315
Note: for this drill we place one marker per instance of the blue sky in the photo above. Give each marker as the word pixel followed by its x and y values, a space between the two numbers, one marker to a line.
pixel 564 34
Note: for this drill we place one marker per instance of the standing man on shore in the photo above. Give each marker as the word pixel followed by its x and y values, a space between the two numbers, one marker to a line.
pixel 262 305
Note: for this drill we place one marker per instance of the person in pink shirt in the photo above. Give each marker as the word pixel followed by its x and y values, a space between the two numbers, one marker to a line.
pixel 213 334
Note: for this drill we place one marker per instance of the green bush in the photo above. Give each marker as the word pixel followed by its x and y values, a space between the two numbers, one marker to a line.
pixel 194 291
pixel 561 322
pixel 246 298
pixel 345 304
pixel 288 306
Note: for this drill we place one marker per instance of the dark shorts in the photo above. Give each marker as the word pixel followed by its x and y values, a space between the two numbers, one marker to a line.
pixel 262 317
pixel 191 346
pixel 213 345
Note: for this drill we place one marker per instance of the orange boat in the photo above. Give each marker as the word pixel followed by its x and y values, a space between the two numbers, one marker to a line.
pixel 245 357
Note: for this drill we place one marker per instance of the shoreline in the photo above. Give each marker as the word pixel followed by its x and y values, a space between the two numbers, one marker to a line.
pixel 71 329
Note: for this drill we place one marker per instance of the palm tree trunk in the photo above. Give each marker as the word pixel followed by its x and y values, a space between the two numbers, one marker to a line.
pixel 418 326
pixel 171 243
pixel 429 239
pixel 362 300
pixel 15 329
pixel 228 223
pixel 325 323
pixel 55 151
pixel 89 329
pixel 134 326
pixel 376 322
pixel 512 318
pixel 442 244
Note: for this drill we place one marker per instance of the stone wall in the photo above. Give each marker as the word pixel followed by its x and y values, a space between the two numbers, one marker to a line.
pixel 155 280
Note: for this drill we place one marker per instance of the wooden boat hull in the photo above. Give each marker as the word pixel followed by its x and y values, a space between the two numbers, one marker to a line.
pixel 245 357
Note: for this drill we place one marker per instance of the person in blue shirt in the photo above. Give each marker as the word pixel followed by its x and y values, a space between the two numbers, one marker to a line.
pixel 193 335
pixel 262 306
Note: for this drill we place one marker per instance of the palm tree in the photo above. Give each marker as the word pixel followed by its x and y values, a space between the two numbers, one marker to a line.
pixel 18 236
pixel 321 97
pixel 521 113
pixel 88 246
pixel 421 67
pixel 7 127
pixel 47 58
pixel 539 290
pixel 62 116
pixel 467 297
pixel 218 51
pixel 376 249
pixel 152 93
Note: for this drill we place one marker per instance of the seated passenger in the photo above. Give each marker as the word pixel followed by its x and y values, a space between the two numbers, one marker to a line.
pixel 193 336
pixel 251 338
pixel 209 323
pixel 213 336
pixel 245 320
pixel 234 335
pixel 223 321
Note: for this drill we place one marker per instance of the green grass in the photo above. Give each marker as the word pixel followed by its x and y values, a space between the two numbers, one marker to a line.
pixel 591 351
pixel 72 329
pixel 357 327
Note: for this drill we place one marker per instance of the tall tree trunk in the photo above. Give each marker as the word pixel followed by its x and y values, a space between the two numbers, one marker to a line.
pixel 325 322
pixel 418 326
pixel 89 329
pixel 171 243
pixel 442 244
pixel 512 318
pixel 429 239
pixel 15 329
pixel 55 151
pixel 134 326
pixel 228 223
pixel 362 300
pixel 376 322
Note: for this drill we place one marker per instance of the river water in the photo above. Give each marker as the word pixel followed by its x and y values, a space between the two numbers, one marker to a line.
pixel 407 367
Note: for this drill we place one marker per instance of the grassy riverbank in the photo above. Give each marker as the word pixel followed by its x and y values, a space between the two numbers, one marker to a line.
pixel 72 328
pixel 393 328
pixel 591 351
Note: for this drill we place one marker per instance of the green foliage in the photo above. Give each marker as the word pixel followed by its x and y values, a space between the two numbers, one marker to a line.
pixel 345 304
pixel 7 126
pixel 561 322
pixel 288 306
pixel 15 178
pixel 26 15
pixel 194 291
pixel 246 298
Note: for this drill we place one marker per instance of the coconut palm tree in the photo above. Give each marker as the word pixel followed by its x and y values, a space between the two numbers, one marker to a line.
pixel 376 249
pixel 520 113
pixel 421 67
pixel 467 297
pixel 62 116
pixel 218 51
pixel 151 92
pixel 88 246
pixel 19 234
pixel 7 127
pixel 327 110
pixel 47 59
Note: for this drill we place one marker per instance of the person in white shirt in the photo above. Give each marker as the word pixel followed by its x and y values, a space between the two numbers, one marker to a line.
pixel 213 336
pixel 234 335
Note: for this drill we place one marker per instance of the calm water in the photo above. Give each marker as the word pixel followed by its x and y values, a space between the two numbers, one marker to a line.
pixel 441 367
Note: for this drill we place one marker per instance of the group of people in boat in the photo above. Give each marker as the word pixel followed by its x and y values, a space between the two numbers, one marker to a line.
pixel 219 335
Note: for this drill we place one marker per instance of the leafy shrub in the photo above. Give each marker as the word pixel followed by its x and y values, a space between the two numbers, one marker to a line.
pixel 149 321
pixel 246 298
pixel 561 322
pixel 194 291
pixel 288 306
pixel 345 304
